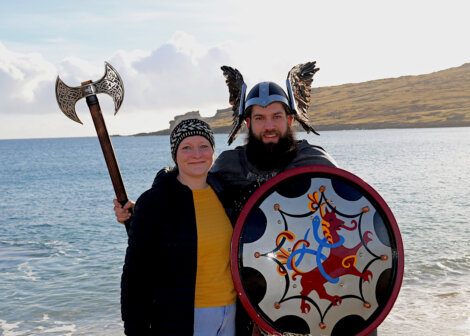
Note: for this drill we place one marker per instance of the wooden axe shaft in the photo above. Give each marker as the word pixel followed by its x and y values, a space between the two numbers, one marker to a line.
pixel 108 151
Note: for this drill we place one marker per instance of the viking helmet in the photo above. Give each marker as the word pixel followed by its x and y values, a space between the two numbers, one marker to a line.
pixel 297 99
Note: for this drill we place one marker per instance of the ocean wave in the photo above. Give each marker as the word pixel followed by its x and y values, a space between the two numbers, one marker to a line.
pixel 9 328
pixel 44 326
pixel 437 269
pixel 430 309
pixel 26 269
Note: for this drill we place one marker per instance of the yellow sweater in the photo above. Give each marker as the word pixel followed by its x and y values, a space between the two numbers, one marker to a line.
pixel 214 285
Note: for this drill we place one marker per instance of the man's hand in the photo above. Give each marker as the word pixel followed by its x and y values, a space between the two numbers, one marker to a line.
pixel 123 213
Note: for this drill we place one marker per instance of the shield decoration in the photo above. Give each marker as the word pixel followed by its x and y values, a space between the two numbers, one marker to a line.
pixel 316 250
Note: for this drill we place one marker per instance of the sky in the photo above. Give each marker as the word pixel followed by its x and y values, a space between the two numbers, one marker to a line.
pixel 169 53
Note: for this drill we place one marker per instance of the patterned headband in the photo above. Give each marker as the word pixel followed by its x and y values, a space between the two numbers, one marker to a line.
pixel 186 128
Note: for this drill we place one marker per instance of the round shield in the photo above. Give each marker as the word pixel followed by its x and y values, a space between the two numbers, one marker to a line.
pixel 317 251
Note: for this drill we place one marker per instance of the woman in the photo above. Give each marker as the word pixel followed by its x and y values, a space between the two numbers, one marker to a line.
pixel 176 278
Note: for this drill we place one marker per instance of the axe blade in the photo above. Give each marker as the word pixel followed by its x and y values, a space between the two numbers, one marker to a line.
pixel 111 84
pixel 67 97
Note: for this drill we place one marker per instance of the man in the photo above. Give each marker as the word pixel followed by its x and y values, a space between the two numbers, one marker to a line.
pixel 270 149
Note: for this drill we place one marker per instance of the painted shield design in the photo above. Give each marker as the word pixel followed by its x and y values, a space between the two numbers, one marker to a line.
pixel 317 251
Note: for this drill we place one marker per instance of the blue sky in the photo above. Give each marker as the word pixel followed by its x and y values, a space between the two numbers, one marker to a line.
pixel 169 53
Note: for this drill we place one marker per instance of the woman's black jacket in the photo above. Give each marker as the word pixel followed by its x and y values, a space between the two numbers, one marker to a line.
pixel 159 273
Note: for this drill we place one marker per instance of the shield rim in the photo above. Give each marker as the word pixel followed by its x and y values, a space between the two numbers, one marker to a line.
pixel 335 172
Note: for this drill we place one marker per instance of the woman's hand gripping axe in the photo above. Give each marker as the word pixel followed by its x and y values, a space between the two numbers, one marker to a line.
pixel 110 83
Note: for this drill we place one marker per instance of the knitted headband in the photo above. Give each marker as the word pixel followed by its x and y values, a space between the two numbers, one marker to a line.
pixel 186 128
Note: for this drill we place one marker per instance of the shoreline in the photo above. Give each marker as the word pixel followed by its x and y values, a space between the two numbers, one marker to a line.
pixel 226 129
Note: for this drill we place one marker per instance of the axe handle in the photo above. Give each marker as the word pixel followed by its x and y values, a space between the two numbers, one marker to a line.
pixel 108 151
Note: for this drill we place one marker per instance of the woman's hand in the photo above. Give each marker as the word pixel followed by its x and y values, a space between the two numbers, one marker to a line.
pixel 123 213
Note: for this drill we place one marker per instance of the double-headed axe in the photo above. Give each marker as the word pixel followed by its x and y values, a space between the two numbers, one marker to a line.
pixel 111 84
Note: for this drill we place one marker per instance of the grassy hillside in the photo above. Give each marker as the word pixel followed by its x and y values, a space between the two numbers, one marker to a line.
pixel 439 99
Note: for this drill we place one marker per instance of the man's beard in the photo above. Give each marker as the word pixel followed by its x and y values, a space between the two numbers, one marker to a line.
pixel 271 156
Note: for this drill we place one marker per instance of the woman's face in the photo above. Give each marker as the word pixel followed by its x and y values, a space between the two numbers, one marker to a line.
pixel 194 156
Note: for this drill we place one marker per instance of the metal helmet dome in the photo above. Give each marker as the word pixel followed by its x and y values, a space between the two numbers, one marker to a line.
pixel 265 93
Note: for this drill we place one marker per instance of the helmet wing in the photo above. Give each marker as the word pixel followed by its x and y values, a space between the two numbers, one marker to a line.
pixel 299 81
pixel 237 89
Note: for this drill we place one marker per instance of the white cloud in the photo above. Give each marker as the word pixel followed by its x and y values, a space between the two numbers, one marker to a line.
pixel 22 78
pixel 178 76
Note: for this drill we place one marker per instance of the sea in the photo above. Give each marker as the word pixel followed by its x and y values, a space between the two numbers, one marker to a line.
pixel 61 250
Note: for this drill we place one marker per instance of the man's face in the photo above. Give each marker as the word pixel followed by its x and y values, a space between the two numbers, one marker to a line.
pixel 269 124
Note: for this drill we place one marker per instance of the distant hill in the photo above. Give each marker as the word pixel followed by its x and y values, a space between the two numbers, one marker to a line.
pixel 439 99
